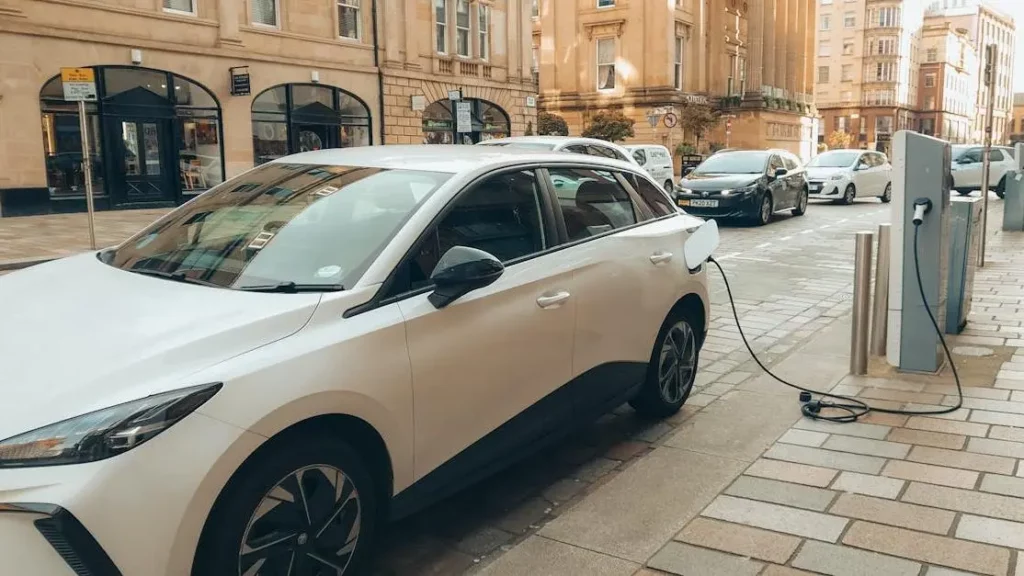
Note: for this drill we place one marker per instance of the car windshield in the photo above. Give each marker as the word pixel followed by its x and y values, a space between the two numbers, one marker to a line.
pixel 959 151
pixel 734 163
pixel 280 224
pixel 834 160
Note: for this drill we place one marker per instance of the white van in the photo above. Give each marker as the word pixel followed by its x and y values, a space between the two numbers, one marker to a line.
pixel 657 161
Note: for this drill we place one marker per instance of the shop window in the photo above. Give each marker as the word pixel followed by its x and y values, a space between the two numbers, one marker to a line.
pixel 488 121
pixel 295 118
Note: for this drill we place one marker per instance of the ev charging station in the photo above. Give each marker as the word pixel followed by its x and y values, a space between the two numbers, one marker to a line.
pixel 920 177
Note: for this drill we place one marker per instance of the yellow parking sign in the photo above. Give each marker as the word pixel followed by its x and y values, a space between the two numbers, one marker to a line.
pixel 79 84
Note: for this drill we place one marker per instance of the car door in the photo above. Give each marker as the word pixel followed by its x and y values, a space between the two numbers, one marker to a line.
pixel 487 368
pixel 969 174
pixel 861 175
pixel 782 196
pixel 626 270
pixel 794 177
pixel 884 173
pixel 998 166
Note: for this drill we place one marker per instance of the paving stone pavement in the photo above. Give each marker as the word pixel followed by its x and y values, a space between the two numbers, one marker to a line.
pixel 64 234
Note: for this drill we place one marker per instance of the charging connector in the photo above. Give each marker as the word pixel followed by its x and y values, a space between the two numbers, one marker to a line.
pixel 922 206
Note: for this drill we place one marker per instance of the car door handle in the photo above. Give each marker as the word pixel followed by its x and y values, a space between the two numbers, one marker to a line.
pixel 553 301
pixel 660 257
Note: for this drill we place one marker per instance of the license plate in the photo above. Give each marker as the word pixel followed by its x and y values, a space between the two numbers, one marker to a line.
pixel 697 203
pixel 815 187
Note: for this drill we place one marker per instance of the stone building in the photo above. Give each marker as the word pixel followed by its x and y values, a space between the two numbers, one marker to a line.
pixel 948 83
pixel 190 92
pixel 652 59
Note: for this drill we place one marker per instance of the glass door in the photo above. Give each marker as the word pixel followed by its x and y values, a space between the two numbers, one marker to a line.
pixel 311 137
pixel 141 149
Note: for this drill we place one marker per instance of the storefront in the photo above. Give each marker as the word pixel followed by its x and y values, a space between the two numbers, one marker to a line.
pixel 155 140
pixel 487 121
pixel 294 118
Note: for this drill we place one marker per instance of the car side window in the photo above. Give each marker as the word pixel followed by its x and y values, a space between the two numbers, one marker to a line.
pixel 973 155
pixel 592 202
pixel 601 151
pixel 652 196
pixel 789 163
pixel 640 156
pixel 995 155
pixel 502 215
pixel 577 149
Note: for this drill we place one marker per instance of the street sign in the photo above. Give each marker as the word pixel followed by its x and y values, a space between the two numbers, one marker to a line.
pixel 463 117
pixel 240 83
pixel 531 101
pixel 671 120
pixel 79 84
pixel 653 119
pixel 455 95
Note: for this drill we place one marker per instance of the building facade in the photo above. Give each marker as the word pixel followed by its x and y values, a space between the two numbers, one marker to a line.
pixel 653 59
pixel 948 83
pixel 867 74
pixel 1017 121
pixel 190 92
pixel 985 25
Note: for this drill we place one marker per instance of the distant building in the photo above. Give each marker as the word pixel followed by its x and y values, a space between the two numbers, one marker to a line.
pixel 1017 120
pixel 948 83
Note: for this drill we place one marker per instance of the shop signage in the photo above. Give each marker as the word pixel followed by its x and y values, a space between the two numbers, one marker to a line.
pixel 696 99
pixel 463 117
pixel 455 95
pixel 429 124
pixel 79 84
pixel 240 85
pixel 531 101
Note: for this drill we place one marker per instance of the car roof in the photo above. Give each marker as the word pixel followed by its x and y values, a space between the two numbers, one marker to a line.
pixel 446 158
pixel 636 146
pixel 554 140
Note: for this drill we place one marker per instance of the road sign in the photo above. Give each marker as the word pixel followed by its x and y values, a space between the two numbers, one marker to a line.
pixel 463 117
pixel 671 120
pixel 79 84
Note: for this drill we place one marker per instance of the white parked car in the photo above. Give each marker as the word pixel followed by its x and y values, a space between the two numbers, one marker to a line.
pixel 257 381
pixel 657 161
pixel 589 146
pixel 843 175
pixel 967 168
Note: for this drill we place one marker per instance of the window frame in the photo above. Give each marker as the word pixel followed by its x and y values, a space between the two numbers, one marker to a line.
pixel 483 33
pixel 598 64
pixel 679 57
pixel 359 20
pixel 193 3
pixel 441 36
pixel 277 16
pixel 468 29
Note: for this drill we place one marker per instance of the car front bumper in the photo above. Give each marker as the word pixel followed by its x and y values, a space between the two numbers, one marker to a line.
pixel 137 513
pixel 826 189
pixel 729 206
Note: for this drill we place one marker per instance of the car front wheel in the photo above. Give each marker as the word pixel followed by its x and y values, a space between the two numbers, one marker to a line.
pixel 672 369
pixel 849 194
pixel 304 507
pixel 765 210
pixel 887 195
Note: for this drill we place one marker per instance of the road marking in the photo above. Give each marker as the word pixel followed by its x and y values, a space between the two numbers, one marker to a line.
pixel 843 220
pixel 807 232
pixel 752 259
pixel 786 238
pixel 732 255
pixel 765 245
pixel 825 226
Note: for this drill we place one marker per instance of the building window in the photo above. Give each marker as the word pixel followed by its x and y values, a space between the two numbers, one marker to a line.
pixel 883 125
pixel 441 25
pixel 826 21
pixel 883 46
pixel 349 20
pixel 850 20
pixel 847 73
pixel 743 75
pixel 932 55
pixel 487 121
pixel 824 49
pixel 294 118
pixel 535 9
pixel 883 72
pixel 887 17
pixel 264 12
pixel 484 30
pixel 846 96
pixel 678 65
pixel 823 74
pixel 462 28
pixel 826 2
pixel 605 3
pixel 183 6
pixel 929 103
pixel 929 80
pixel 536 66
pixel 847 48
pixel 606 64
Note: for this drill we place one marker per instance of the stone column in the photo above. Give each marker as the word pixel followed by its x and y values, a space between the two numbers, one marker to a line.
pixel 782 42
pixel 414 37
pixel 810 46
pixel 393 44
pixel 793 43
pixel 227 17
pixel 800 49
pixel 755 47
pixel 716 60
pixel 770 16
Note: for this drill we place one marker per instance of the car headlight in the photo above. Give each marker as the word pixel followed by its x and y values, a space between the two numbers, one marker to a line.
pixel 685 191
pixel 745 190
pixel 838 177
pixel 104 433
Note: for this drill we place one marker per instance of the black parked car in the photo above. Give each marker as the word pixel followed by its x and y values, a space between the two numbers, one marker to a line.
pixel 745 184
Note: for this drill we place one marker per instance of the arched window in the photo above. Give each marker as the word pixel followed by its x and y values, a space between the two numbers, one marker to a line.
pixel 294 118
pixel 487 121
pixel 155 137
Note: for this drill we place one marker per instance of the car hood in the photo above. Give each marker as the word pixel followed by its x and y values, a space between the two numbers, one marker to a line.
pixel 79 335
pixel 718 181
pixel 821 172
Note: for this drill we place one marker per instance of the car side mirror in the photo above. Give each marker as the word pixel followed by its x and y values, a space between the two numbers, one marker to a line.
pixel 460 271
pixel 780 172
pixel 861 167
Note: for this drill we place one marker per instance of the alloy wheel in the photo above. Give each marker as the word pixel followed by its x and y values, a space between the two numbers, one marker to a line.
pixel 803 201
pixel 887 195
pixel 677 362
pixel 766 209
pixel 307 525
pixel 849 194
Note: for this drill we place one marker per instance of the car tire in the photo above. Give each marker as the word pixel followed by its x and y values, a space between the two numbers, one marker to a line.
pixel 886 196
pixel 1001 188
pixel 765 211
pixel 668 382
pixel 963 192
pixel 848 195
pixel 345 519
pixel 669 186
pixel 801 203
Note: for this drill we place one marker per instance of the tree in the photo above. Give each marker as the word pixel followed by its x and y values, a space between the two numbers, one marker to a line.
pixel 611 126
pixel 549 124
pixel 697 120
pixel 839 140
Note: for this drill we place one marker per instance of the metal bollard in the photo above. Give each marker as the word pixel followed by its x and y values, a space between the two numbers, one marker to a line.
pixel 880 305
pixel 861 304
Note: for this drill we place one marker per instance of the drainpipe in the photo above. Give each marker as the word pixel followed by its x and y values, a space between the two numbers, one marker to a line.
pixel 376 63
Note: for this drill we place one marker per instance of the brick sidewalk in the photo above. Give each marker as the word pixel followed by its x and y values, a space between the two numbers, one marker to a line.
pixel 59 235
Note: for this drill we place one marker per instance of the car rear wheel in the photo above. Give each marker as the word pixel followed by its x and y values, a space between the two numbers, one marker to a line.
pixel 672 369
pixel 304 507
pixel 887 195
pixel 1001 188
pixel 963 192
pixel 801 204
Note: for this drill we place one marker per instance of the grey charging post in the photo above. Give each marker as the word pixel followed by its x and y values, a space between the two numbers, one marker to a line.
pixel 921 167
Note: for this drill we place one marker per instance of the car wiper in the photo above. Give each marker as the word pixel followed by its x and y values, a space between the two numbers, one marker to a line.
pixel 175 276
pixel 292 288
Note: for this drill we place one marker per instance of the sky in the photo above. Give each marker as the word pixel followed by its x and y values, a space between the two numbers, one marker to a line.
pixel 1015 8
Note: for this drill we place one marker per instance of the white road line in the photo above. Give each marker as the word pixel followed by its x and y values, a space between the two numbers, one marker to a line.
pixel 765 245
pixel 843 220
pixel 786 238
pixel 752 259
pixel 807 232
pixel 728 256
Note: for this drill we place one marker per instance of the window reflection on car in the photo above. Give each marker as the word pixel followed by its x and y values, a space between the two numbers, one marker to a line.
pixel 838 159
pixel 281 225
pixel 733 163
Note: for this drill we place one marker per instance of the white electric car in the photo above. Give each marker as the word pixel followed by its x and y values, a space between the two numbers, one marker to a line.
pixel 657 161
pixel 843 175
pixel 257 381
pixel 572 144
pixel 967 168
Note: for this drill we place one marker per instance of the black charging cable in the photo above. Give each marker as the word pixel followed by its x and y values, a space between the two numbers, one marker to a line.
pixel 844 408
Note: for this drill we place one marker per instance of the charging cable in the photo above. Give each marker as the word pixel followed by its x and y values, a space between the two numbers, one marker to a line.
pixel 843 408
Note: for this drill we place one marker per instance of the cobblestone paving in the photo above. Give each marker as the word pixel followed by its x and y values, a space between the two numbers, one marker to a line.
pixel 64 234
